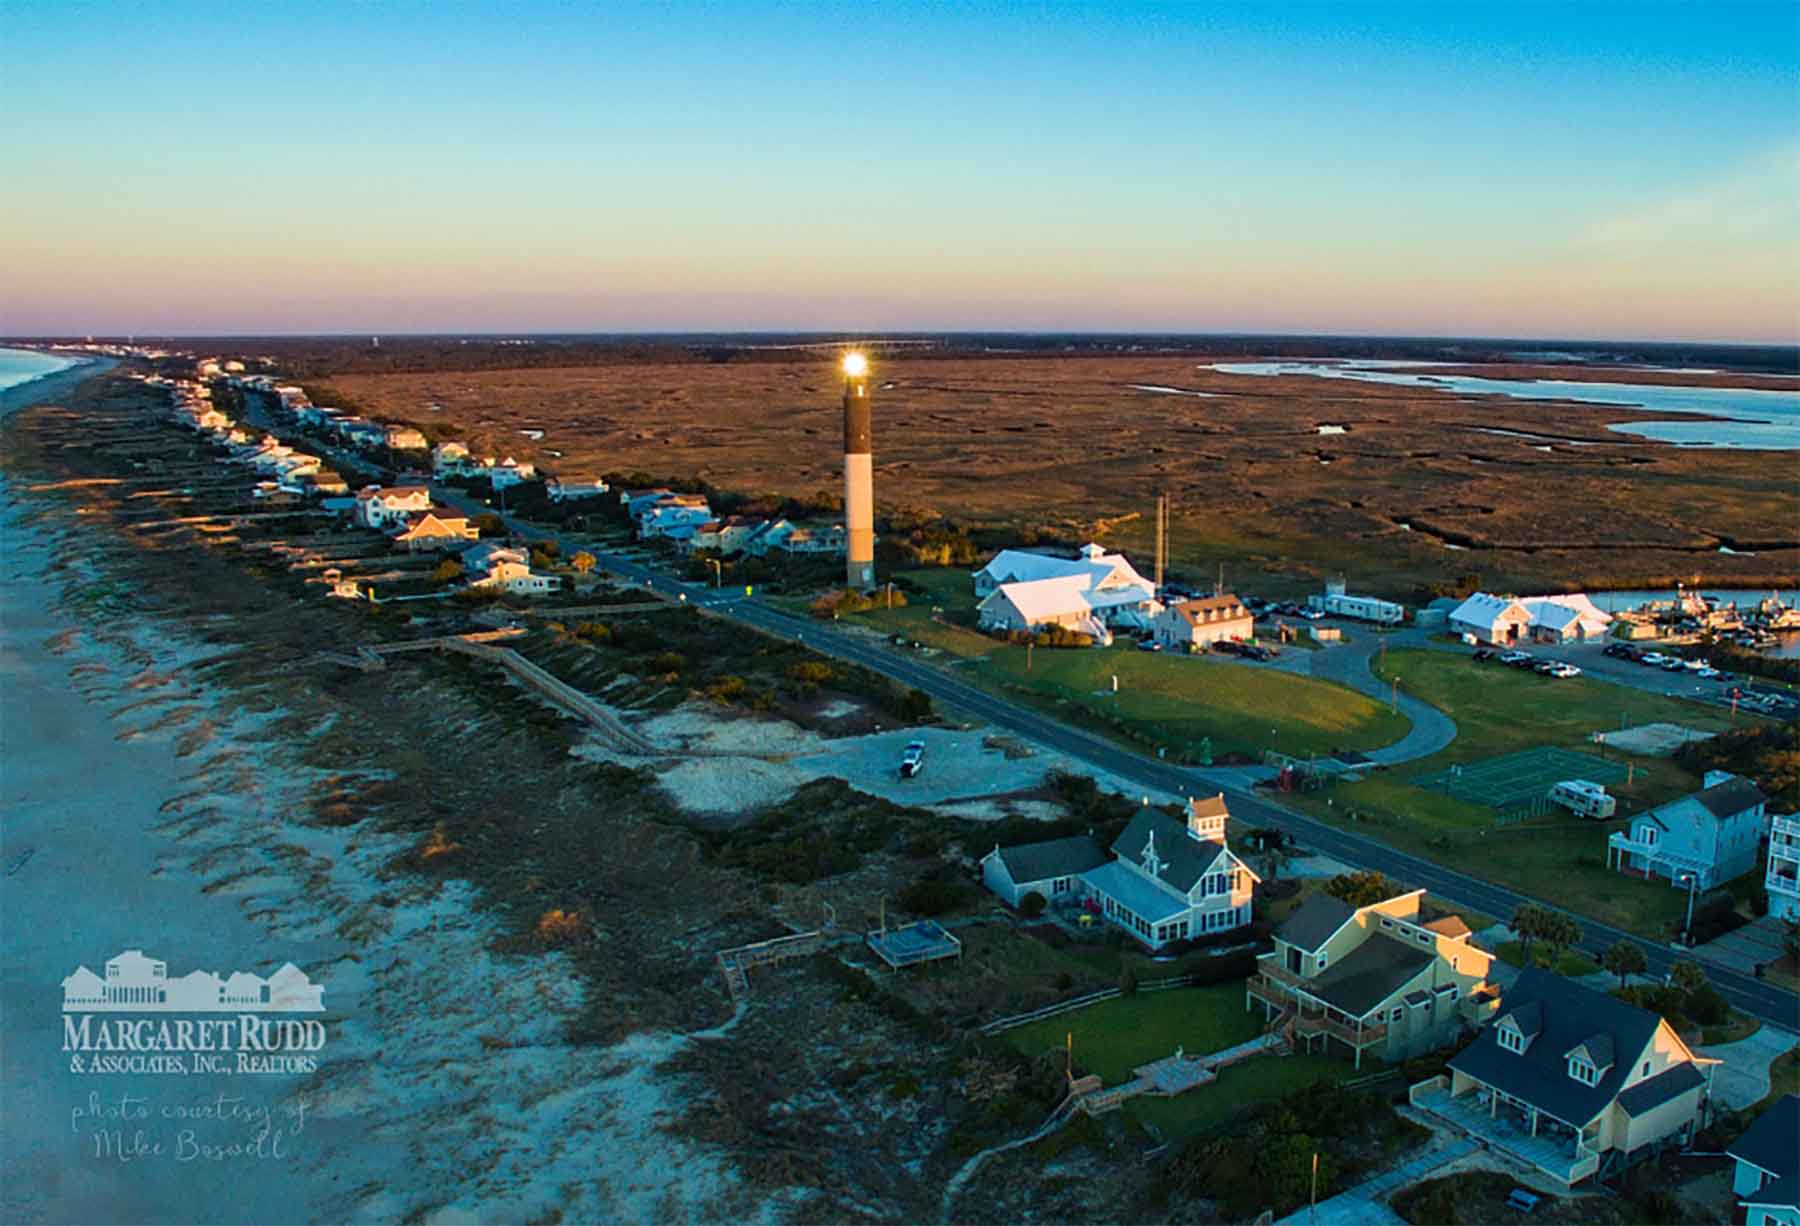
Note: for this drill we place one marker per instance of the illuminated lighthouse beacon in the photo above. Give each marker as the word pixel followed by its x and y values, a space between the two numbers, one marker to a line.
pixel 859 491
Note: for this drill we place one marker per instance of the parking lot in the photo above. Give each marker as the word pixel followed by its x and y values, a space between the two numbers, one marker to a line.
pixel 1592 659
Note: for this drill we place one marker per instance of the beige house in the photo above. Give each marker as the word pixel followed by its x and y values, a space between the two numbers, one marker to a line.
pixel 1572 1081
pixel 1195 625
pixel 435 529
pixel 1394 978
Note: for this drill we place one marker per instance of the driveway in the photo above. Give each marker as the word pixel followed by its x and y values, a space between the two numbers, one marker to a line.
pixel 1348 665
pixel 1743 1080
pixel 1742 949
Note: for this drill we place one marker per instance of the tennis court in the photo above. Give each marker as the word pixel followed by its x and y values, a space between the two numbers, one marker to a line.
pixel 1519 778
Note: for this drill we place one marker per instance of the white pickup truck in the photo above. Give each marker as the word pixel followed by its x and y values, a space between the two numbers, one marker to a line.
pixel 912 759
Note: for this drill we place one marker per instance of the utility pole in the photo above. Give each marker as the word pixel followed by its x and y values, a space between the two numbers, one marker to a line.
pixel 1162 519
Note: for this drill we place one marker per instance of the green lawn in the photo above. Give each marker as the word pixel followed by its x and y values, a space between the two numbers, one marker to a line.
pixel 1570 964
pixel 1116 1036
pixel 1178 701
pixel 1500 710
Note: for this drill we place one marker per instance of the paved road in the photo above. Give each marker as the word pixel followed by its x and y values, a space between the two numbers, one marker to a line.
pixel 1752 995
pixel 1348 665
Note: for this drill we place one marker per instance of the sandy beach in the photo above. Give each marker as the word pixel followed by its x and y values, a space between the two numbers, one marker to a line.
pixel 144 812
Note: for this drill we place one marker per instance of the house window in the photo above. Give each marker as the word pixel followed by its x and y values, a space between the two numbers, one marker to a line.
pixel 1647 835
pixel 1646 1071
pixel 1582 1071
pixel 1397 1014
pixel 1321 961
pixel 1386 922
pixel 1512 1040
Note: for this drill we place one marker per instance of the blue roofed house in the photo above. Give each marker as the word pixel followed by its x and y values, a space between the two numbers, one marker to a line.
pixel 1767 1179
pixel 1572 1081
pixel 1165 880
pixel 1714 834
pixel 1395 978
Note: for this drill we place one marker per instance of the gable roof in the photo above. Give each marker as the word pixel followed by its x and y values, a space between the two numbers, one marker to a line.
pixel 1095 567
pixel 1772 1143
pixel 1039 599
pixel 1596 1049
pixel 1208 806
pixel 1730 798
pixel 1051 858
pixel 1226 608
pixel 1567 1014
pixel 1484 608
pixel 1369 974
pixel 1316 920
pixel 1668 1085
pixel 1449 926
pixel 1185 858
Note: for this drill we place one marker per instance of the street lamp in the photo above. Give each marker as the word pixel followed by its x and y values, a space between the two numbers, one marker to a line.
pixel 1687 929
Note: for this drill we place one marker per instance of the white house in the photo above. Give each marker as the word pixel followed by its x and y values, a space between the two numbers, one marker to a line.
pixel 1506 620
pixel 406 438
pixel 1782 879
pixel 508 472
pixel 1194 625
pixel 379 508
pixel 518 579
pixel 569 489
pixel 1167 880
pixel 1766 1181
pixel 1052 869
pixel 1713 834
pixel 1037 603
pixel 726 536
pixel 676 516
pixel 799 541
pixel 1115 593
pixel 433 529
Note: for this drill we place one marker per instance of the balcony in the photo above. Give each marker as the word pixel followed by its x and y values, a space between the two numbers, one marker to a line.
pixel 1311 1018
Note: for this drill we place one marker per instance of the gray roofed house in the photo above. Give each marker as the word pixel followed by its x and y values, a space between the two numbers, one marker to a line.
pixel 1165 880
pixel 1573 1081
pixel 1768 1155
pixel 1391 977
pixel 1184 860
pixel 1775 1204
pixel 1714 835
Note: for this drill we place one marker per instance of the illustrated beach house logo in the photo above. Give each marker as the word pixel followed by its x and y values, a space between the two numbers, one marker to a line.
pixel 138 984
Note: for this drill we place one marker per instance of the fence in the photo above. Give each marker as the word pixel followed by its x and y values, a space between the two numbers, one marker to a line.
pixel 1001 1025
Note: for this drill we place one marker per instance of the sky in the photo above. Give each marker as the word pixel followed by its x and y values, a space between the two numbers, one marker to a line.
pixel 1580 170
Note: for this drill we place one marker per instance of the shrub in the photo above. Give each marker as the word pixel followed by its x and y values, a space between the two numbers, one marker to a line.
pixel 815 672
pixel 447 571
pixel 559 927
pixel 593 632
pixel 931 896
pixel 1128 982
pixel 1032 905
pixel 1708 1006
pixel 675 662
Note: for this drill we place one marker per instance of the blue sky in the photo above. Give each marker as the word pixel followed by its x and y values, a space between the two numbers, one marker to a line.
pixel 1576 170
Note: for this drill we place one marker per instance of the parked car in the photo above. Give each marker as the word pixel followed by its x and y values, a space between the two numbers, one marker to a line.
pixel 1228 647
pixel 1710 673
pixel 1654 659
pixel 1149 645
pixel 1622 651
pixel 1258 653
pixel 1518 659
pixel 1312 615
pixel 1674 664
pixel 1484 654
pixel 1563 669
pixel 912 759
pixel 1694 666
pixel 1544 666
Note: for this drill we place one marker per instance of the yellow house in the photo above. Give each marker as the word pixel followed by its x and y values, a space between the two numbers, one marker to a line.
pixel 1573 1081
pixel 1393 978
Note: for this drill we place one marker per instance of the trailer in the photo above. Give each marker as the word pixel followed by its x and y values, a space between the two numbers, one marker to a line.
pixel 1337 602
pixel 1584 799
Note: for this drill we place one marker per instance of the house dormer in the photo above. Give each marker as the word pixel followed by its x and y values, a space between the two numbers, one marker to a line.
pixel 1153 864
pixel 1515 1030
pixel 1590 1059
pixel 1206 819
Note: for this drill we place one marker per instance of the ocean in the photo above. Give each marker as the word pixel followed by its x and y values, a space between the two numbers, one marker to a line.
pixel 23 365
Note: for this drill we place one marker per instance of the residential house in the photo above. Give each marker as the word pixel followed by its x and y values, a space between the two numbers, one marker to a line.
pixel 1504 621
pixel 1114 591
pixel 1782 879
pixel 1766 1181
pixel 636 502
pixel 1194 625
pixel 1166 880
pixel 507 472
pixel 726 536
pixel 1394 978
pixel 1572 1081
pixel 377 507
pixel 768 537
pixel 360 432
pixel 518 579
pixel 405 438
pixel 1036 603
pixel 449 459
pixel 479 558
pixel 808 541
pixel 675 516
pixel 1053 869
pixel 325 481
pixel 571 489
pixel 1713 834
pixel 434 529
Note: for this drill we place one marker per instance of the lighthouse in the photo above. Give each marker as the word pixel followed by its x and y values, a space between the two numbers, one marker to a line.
pixel 859 490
